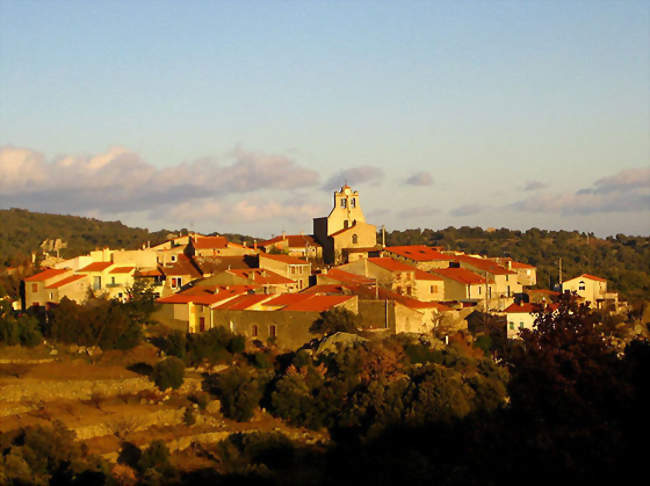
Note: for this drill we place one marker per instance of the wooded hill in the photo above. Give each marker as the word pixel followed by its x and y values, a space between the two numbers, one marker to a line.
pixel 22 232
pixel 623 260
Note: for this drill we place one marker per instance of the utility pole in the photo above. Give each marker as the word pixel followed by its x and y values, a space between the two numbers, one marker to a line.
pixel 383 236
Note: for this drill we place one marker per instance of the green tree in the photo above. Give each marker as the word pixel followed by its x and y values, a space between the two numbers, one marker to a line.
pixel 168 373
pixel 336 320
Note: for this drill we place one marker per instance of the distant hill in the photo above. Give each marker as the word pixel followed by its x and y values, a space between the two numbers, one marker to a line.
pixel 623 260
pixel 22 232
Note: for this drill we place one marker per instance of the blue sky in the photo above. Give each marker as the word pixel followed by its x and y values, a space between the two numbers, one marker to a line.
pixel 241 116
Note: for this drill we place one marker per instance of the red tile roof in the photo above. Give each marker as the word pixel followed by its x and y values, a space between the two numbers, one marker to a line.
pixel 65 281
pixel 529 308
pixel 391 265
pixel 327 289
pixel 209 242
pixel 293 241
pixel 261 276
pixel 422 275
pixel 593 277
pixel 122 270
pixel 515 264
pixel 461 275
pixel 243 302
pixel 526 307
pixel 347 277
pixel 46 274
pixel 286 299
pixel 318 303
pixel 182 266
pixel 420 253
pixel 284 259
pixel 483 264
pixel 96 267
pixel 200 297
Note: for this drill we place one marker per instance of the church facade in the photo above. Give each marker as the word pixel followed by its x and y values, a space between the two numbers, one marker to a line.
pixel 345 229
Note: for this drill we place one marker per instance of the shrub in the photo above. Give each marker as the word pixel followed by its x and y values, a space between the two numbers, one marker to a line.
pixel 335 320
pixel 168 373
pixel 188 417
pixel 155 457
pixel 239 391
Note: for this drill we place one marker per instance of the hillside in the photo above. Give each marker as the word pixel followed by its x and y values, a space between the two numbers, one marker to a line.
pixel 22 232
pixel 623 260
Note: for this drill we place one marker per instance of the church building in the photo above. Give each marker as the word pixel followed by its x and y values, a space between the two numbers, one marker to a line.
pixel 345 229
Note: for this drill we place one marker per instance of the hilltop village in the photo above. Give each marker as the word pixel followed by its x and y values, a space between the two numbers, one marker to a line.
pixel 276 289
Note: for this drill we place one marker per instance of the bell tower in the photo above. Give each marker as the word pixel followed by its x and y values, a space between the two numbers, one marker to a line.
pixel 346 211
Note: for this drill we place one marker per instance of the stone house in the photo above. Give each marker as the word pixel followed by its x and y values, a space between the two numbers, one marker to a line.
pixel 421 256
pixel 593 290
pixel 300 246
pixel 399 277
pixel 289 267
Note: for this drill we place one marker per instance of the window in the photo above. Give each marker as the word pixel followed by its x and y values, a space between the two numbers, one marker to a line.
pixel 507 277
pixel 97 282
pixel 512 326
pixel 521 325
pixel 34 287
pixel 346 224
pixel 344 203
pixel 355 239
pixel 508 291
pixel 176 282
pixel 173 258
pixel 581 285
pixel 51 295
pixel 272 332
pixel 353 203
pixel 201 324
pixel 480 290
pixel 254 331
pixel 112 280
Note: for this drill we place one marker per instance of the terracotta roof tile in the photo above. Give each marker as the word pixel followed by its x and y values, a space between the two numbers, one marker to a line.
pixel 461 275
pixel 391 265
pixel 483 264
pixel 593 277
pixel 420 253
pixel 243 302
pixel 318 303
pixel 284 259
pixel 261 276
pixel 293 241
pixel 209 242
pixel 46 274
pixel 96 267
pixel 122 270
pixel 347 277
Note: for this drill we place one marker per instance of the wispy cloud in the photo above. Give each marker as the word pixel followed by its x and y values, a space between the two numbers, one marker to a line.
pixel 420 179
pixel 466 210
pixel 365 174
pixel 626 191
pixel 535 185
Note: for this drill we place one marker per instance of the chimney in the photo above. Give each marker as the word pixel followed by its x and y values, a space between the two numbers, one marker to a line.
pixel 255 244
pixel 284 235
